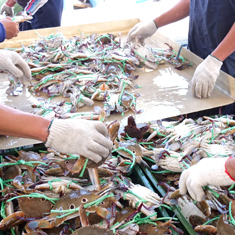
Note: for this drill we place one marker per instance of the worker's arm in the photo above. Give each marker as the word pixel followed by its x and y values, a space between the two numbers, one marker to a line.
pixel 16 123
pixel 75 136
pixel 148 28
pixel 227 46
pixel 11 3
pixel 9 29
pixel 207 72
pixel 176 13
pixel 230 166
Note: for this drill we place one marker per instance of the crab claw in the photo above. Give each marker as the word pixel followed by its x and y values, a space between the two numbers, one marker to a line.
pixel 145 193
pixel 11 221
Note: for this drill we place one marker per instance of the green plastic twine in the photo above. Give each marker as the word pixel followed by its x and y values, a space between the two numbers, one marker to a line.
pixel 44 81
pixel 120 96
pixel 133 99
pixel 84 167
pixel 3 205
pixel 129 191
pixel 71 156
pixel 36 195
pixel 213 192
pixel 138 220
pixel 54 180
pixel 231 187
pixel 209 221
pixel 228 129
pixel 230 214
pixel 166 206
pixel 47 69
pixel 149 159
pixel 161 172
pixel 104 36
pixel 143 143
pixel 22 162
pixel 134 220
pixel 128 151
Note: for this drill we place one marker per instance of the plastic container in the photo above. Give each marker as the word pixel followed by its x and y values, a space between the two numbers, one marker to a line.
pixel 186 226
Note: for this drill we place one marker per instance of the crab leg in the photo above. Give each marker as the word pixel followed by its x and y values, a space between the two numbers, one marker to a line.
pixel 38 224
pixel 93 173
pixel 83 217
pixel 11 221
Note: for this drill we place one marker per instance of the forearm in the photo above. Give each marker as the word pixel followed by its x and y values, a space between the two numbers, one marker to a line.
pixel 21 124
pixel 178 12
pixel 11 3
pixel 227 46
pixel 230 166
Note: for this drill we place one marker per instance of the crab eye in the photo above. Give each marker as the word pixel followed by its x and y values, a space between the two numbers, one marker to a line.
pixel 84 200
pixel 134 151
pixel 43 199
pixel 29 197
pixel 66 162
pixel 102 203
pixel 72 206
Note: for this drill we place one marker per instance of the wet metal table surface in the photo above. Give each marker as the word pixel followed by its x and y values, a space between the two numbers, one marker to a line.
pixel 164 92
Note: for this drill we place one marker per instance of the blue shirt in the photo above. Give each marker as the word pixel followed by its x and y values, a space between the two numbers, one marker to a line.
pixel 2 33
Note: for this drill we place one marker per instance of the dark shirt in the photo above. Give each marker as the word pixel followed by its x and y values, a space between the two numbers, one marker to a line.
pixel 209 23
pixel 22 3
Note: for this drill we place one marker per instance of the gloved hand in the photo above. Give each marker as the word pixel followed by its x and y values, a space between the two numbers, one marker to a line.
pixel 208 171
pixel 82 137
pixel 205 76
pixel 9 11
pixel 14 64
pixel 143 29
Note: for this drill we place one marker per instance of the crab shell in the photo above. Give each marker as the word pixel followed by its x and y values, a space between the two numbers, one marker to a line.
pixel 92 230
pixel 151 229
pixel 34 207
pixel 72 200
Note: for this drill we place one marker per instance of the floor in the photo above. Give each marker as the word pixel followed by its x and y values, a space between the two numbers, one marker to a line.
pixel 109 10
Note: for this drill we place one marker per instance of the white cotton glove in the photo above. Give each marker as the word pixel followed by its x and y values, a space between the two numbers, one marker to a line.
pixel 189 208
pixel 142 29
pixel 14 64
pixel 82 137
pixel 208 171
pixel 9 11
pixel 205 76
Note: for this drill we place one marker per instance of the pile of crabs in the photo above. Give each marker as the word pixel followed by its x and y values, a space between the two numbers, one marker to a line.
pixel 88 68
pixel 169 147
pixel 48 192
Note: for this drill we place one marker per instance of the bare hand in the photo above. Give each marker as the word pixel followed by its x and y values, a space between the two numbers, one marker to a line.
pixel 12 28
